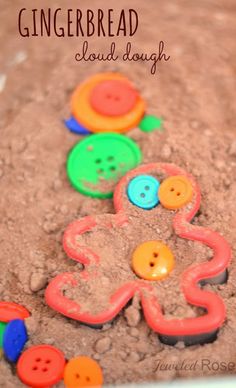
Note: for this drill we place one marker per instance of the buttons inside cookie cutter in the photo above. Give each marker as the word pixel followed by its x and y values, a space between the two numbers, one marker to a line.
pixel 192 330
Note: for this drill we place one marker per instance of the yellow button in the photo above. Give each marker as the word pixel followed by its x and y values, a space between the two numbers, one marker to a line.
pixel 175 192
pixel 83 372
pixel 152 260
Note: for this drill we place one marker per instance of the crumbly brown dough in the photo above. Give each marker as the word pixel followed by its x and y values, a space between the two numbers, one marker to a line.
pixel 194 92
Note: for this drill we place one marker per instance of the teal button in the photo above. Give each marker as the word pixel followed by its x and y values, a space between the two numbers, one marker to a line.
pixel 143 191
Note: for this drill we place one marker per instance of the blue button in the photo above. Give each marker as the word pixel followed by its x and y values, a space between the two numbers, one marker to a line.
pixel 73 125
pixel 143 191
pixel 14 339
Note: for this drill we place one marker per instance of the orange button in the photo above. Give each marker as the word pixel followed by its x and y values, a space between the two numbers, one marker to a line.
pixel 10 311
pixel 88 117
pixel 152 260
pixel 83 372
pixel 175 192
pixel 113 98
pixel 41 366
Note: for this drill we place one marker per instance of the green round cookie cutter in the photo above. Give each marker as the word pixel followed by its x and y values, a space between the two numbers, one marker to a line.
pixel 2 330
pixel 150 123
pixel 101 158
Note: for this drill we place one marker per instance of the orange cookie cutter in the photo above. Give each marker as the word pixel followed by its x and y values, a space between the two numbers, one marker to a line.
pixel 95 122
pixel 190 330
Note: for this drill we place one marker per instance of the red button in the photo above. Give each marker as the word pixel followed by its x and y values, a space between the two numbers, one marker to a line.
pixel 41 366
pixel 113 98
pixel 10 311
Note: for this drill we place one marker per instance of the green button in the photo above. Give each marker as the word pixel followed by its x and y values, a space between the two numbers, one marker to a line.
pixel 150 123
pixel 97 162
pixel 2 329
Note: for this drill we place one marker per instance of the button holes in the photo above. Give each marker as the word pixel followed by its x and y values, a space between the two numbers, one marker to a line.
pixel 47 361
pixel 147 188
pixel 172 189
pixel 110 158
pixel 88 379
pixel 142 195
pixel 151 264
pixel 112 168
pixel 178 194
pixel 90 148
pixel 38 359
pixel 100 171
pixel 44 369
pixel 35 367
pixel 97 161
pixel 155 254
pixel 77 376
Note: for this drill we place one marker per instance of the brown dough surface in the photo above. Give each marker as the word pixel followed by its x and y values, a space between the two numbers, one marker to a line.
pixel 194 93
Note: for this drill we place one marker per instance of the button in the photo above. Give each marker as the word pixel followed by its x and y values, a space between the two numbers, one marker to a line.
pixel 97 162
pixel 73 125
pixel 152 260
pixel 175 192
pixel 10 311
pixel 113 98
pixel 14 339
pixel 82 372
pixel 143 191
pixel 150 123
pixel 41 366
pixel 2 330
pixel 89 118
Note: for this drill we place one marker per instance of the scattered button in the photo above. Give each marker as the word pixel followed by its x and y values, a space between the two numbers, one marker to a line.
pixel 89 118
pixel 152 260
pixel 113 98
pixel 99 159
pixel 73 125
pixel 143 191
pixel 14 339
pixel 175 192
pixel 10 311
pixel 41 366
pixel 150 123
pixel 83 372
pixel 2 330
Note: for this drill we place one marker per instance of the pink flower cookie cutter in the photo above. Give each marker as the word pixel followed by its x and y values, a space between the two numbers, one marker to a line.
pixel 191 330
